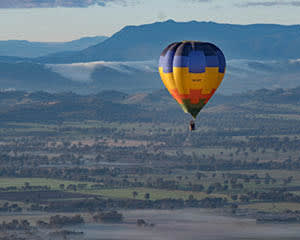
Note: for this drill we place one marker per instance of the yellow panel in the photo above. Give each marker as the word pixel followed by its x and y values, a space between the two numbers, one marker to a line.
pixel 212 80
pixel 167 79
pixel 181 76
pixel 184 80
pixel 221 77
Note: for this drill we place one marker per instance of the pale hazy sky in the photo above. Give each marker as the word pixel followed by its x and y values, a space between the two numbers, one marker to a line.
pixel 63 20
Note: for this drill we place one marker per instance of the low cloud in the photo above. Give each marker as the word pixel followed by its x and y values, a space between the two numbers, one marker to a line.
pixel 62 3
pixel 241 75
pixel 82 72
pixel 270 3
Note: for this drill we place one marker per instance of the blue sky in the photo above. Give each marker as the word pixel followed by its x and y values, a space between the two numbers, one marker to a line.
pixel 64 20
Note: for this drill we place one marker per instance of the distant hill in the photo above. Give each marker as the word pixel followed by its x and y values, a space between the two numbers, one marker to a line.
pixel 80 78
pixel 33 77
pixel 258 56
pixel 27 49
pixel 142 76
pixel 145 42
pixel 157 106
pixel 9 59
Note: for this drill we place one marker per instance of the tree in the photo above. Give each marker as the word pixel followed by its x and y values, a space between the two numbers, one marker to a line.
pixel 191 197
pixel 108 217
pixel 134 194
pixel 234 197
pixel 147 196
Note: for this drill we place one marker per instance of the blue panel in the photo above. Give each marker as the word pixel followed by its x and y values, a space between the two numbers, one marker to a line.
pixel 166 59
pixel 222 61
pixel 194 55
pixel 166 62
pixel 207 49
pixel 221 57
pixel 197 62
pixel 161 61
pixel 172 46
pixel 181 61
pixel 184 49
pixel 212 61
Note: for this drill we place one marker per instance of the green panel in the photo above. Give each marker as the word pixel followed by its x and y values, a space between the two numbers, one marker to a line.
pixel 193 109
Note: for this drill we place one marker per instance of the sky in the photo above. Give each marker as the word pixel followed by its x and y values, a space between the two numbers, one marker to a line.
pixel 65 20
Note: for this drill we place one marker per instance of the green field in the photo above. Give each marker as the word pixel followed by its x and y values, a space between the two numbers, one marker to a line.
pixel 272 207
pixel 127 193
pixel 155 194
pixel 19 182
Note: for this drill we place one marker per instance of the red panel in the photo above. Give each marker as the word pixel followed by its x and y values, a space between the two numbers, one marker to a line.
pixel 195 96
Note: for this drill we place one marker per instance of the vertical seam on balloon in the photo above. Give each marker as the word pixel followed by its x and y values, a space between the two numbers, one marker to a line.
pixel 175 82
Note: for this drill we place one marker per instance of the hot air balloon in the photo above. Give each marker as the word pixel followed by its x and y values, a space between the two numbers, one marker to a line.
pixel 192 71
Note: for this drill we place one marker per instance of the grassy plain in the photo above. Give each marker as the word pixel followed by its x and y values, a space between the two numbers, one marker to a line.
pixel 94 143
pixel 123 193
pixel 272 207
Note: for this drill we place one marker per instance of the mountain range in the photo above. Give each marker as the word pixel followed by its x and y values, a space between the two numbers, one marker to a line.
pixel 258 56
pixel 146 42
pixel 27 49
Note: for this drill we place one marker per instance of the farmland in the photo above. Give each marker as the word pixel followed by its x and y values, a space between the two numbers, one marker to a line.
pixel 244 158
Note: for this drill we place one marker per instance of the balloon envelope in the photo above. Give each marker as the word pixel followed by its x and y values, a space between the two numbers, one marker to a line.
pixel 192 71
